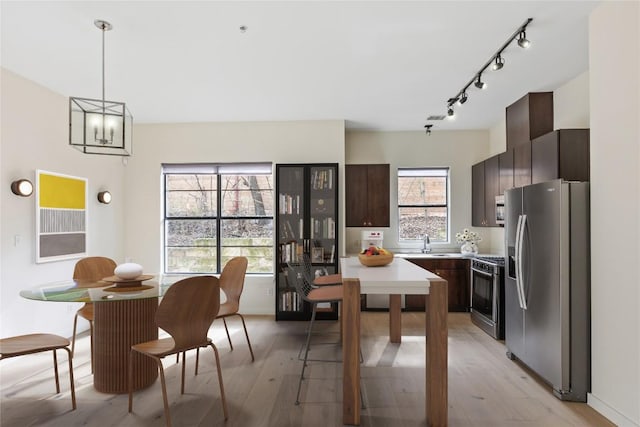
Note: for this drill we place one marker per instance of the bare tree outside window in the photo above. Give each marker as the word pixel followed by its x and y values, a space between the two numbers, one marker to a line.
pixel 211 218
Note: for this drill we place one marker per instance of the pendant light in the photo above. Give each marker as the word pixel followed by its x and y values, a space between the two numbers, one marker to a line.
pixel 98 126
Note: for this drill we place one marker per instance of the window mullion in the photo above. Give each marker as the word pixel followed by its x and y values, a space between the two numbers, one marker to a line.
pixel 219 223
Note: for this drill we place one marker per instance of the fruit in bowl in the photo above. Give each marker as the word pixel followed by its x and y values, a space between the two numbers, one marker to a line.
pixel 375 256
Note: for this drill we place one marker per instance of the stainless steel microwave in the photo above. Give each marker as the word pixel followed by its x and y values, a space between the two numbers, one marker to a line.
pixel 500 210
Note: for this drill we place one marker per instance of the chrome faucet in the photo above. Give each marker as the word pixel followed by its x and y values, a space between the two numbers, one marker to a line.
pixel 426 244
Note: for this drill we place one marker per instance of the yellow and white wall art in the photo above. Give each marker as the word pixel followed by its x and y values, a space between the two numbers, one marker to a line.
pixel 61 216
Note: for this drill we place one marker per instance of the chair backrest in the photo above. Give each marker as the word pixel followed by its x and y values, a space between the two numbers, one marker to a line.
pixel 300 278
pixel 188 309
pixel 94 268
pixel 232 279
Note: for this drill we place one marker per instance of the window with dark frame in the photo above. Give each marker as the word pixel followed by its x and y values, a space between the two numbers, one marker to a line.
pixel 423 204
pixel 214 212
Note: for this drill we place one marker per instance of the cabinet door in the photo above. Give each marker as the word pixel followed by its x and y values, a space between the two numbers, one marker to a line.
pixel 458 280
pixel 356 190
pixel 505 162
pixel 378 195
pixel 544 158
pixel 562 154
pixel 478 217
pixel 455 272
pixel 522 165
pixel 529 117
pixel 367 195
pixel 491 186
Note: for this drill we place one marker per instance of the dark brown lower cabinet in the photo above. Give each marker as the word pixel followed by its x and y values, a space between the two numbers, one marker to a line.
pixel 456 272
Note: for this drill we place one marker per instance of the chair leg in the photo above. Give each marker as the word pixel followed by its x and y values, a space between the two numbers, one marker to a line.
pixel 73 336
pixel 224 400
pixel 73 388
pixel 197 359
pixel 306 352
pixel 165 400
pixel 227 331
pixel 55 369
pixel 184 363
pixel 244 325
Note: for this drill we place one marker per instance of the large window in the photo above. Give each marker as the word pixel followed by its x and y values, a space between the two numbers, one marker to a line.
pixel 423 204
pixel 213 213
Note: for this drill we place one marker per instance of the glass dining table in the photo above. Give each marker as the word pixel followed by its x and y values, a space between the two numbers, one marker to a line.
pixel 124 314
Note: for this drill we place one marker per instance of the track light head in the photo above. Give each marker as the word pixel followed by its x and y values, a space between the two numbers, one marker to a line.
pixel 450 112
pixel 523 42
pixel 428 128
pixel 479 83
pixel 499 63
pixel 463 98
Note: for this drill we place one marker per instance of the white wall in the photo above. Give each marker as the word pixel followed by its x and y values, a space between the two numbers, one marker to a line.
pixel 34 135
pixel 277 142
pixel 614 67
pixel 455 149
pixel 571 104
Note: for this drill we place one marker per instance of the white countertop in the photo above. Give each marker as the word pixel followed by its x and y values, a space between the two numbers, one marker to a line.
pixel 398 277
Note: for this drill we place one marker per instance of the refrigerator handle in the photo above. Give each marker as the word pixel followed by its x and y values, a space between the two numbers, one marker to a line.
pixel 523 226
pixel 517 259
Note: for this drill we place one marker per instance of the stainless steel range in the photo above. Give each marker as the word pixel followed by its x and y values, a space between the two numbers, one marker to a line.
pixel 487 294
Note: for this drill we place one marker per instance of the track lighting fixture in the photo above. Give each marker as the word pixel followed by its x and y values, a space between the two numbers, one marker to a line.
pixel 522 39
pixel 499 63
pixel 428 128
pixel 496 62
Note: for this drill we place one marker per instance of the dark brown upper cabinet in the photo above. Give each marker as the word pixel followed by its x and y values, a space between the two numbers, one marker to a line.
pixel 522 164
pixel 505 160
pixel 485 184
pixel 562 154
pixel 528 118
pixel 367 195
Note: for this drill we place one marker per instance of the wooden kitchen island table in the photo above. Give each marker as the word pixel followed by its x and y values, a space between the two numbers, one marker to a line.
pixel 122 317
pixel 401 277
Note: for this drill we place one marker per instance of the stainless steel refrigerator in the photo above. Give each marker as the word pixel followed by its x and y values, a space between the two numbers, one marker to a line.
pixel 547 283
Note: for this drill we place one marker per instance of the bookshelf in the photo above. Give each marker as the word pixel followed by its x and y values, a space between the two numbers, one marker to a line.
pixel 306 222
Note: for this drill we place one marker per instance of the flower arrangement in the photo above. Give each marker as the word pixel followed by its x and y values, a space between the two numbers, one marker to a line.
pixel 468 236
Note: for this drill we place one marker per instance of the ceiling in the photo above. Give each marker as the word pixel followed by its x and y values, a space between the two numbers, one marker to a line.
pixel 379 65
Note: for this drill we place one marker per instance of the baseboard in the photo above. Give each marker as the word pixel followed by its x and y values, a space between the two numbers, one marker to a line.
pixel 611 414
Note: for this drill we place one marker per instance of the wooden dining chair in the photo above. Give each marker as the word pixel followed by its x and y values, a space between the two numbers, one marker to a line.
pixel 186 313
pixel 90 268
pixel 37 343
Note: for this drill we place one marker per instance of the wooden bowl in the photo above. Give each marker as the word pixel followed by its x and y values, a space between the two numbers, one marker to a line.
pixel 375 260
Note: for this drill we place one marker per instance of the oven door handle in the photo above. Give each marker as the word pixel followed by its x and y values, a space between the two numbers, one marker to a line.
pixel 483 273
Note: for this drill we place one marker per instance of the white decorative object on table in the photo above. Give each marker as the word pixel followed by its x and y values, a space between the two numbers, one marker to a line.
pixel 469 240
pixel 128 270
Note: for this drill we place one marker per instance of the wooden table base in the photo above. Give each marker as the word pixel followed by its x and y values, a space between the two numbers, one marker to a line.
pixel 436 399
pixel 117 326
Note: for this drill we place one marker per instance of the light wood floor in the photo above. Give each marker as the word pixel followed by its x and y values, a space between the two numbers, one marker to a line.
pixel 485 388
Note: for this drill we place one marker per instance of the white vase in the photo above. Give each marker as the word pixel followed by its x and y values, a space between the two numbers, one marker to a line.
pixel 469 249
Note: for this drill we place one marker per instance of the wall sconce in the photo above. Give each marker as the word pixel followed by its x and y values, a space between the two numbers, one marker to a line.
pixel 104 197
pixel 22 187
